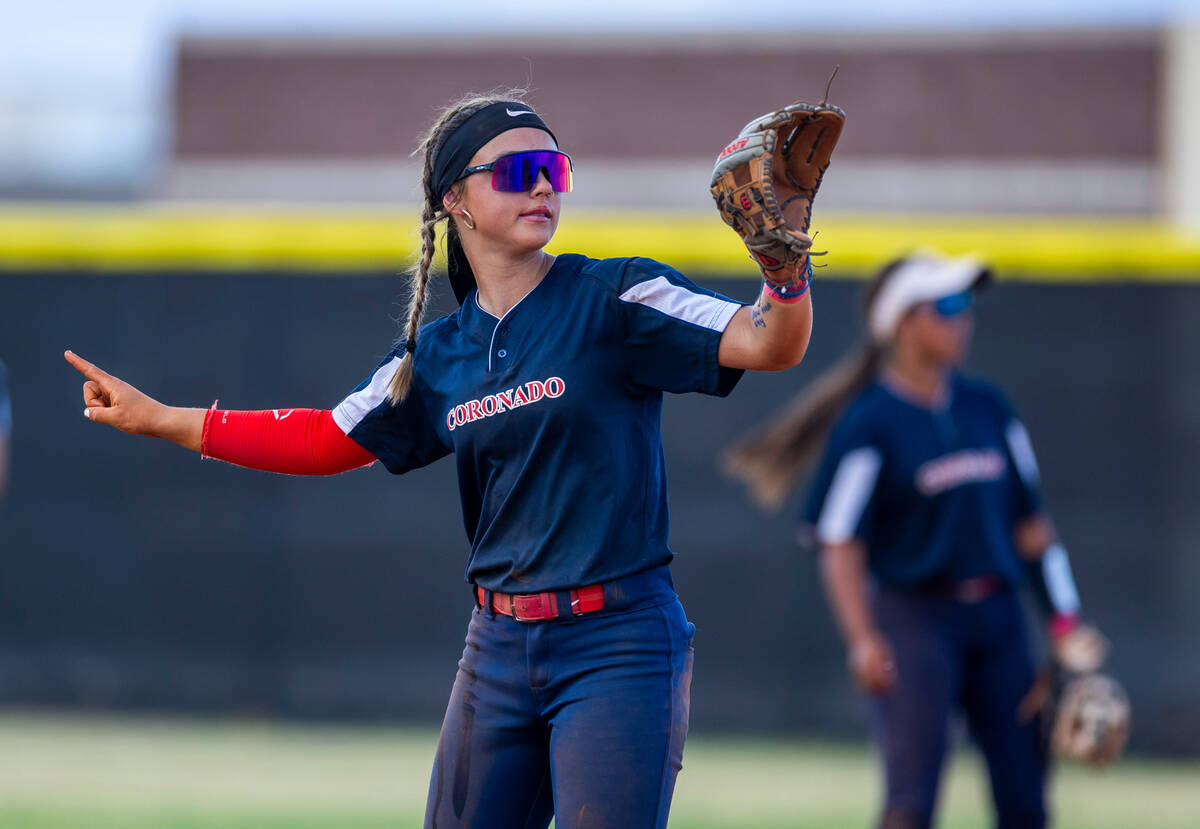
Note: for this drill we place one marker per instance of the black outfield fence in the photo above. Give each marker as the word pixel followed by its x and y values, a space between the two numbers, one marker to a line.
pixel 132 574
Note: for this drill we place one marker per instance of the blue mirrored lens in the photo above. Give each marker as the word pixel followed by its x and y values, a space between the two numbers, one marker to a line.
pixel 955 304
pixel 517 172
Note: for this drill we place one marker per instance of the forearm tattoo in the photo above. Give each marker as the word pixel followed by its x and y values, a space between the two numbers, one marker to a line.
pixel 758 312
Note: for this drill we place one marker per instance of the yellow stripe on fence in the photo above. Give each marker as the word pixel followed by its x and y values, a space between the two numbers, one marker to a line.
pixel 234 237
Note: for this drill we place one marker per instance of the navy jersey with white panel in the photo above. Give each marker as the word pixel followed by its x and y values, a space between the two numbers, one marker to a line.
pixel 5 405
pixel 933 493
pixel 553 415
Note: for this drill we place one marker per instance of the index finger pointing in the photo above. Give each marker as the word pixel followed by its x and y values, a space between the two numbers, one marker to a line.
pixel 85 368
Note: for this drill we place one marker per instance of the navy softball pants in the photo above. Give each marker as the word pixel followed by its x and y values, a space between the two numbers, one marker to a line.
pixel 580 719
pixel 950 656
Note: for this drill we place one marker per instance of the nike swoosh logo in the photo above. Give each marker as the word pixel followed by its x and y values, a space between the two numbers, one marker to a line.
pixel 518 112
pixel 282 417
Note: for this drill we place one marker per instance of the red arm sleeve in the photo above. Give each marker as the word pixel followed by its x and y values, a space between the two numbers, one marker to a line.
pixel 291 441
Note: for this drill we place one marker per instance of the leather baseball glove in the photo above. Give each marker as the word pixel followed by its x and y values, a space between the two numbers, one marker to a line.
pixel 1091 720
pixel 765 180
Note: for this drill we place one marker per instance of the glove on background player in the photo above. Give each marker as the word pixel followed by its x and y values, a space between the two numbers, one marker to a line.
pixel 1091 720
pixel 765 180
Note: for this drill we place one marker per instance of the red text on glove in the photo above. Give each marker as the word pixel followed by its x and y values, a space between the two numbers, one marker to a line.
pixel 733 148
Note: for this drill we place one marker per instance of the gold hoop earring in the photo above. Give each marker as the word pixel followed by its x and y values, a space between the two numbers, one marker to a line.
pixel 467 219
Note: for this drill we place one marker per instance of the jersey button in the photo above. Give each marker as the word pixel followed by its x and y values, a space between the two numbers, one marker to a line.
pixel 502 353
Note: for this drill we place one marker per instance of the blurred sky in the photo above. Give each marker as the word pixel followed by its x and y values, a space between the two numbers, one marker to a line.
pixel 83 85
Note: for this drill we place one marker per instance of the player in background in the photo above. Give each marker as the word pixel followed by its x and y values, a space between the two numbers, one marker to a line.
pixel 572 695
pixel 5 430
pixel 927 510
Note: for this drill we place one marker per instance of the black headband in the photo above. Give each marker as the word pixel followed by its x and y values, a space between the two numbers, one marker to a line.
pixel 466 139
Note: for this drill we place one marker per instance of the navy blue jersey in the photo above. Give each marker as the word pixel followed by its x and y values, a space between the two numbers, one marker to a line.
pixel 553 414
pixel 933 494
pixel 5 405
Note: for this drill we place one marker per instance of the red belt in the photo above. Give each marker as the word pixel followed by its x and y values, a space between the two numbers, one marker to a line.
pixel 536 607
pixel 965 590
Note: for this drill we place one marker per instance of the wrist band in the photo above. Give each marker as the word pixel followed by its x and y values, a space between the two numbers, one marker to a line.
pixel 1060 624
pixel 786 294
pixel 793 291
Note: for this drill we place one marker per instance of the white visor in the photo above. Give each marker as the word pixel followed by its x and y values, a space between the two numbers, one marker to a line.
pixel 924 277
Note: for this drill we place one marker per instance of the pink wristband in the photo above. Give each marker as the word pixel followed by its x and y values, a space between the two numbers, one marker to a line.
pixel 1060 624
pixel 782 295
pixel 792 292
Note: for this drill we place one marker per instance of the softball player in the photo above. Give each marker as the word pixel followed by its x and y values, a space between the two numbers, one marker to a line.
pixel 5 430
pixel 571 698
pixel 928 513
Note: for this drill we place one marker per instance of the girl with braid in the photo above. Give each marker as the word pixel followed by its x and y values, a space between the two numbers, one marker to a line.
pixel 927 511
pixel 572 694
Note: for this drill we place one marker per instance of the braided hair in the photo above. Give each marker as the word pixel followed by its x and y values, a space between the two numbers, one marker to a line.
pixel 433 212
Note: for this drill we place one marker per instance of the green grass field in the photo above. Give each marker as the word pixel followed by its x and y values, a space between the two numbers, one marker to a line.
pixel 76 772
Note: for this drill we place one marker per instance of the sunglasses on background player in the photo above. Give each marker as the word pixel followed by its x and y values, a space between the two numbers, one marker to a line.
pixel 952 306
pixel 516 172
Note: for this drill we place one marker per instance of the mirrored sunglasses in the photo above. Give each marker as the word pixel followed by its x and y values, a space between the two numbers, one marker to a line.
pixel 517 172
pixel 955 304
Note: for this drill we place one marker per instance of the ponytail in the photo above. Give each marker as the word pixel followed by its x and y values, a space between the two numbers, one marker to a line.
pixel 771 460
pixel 419 274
